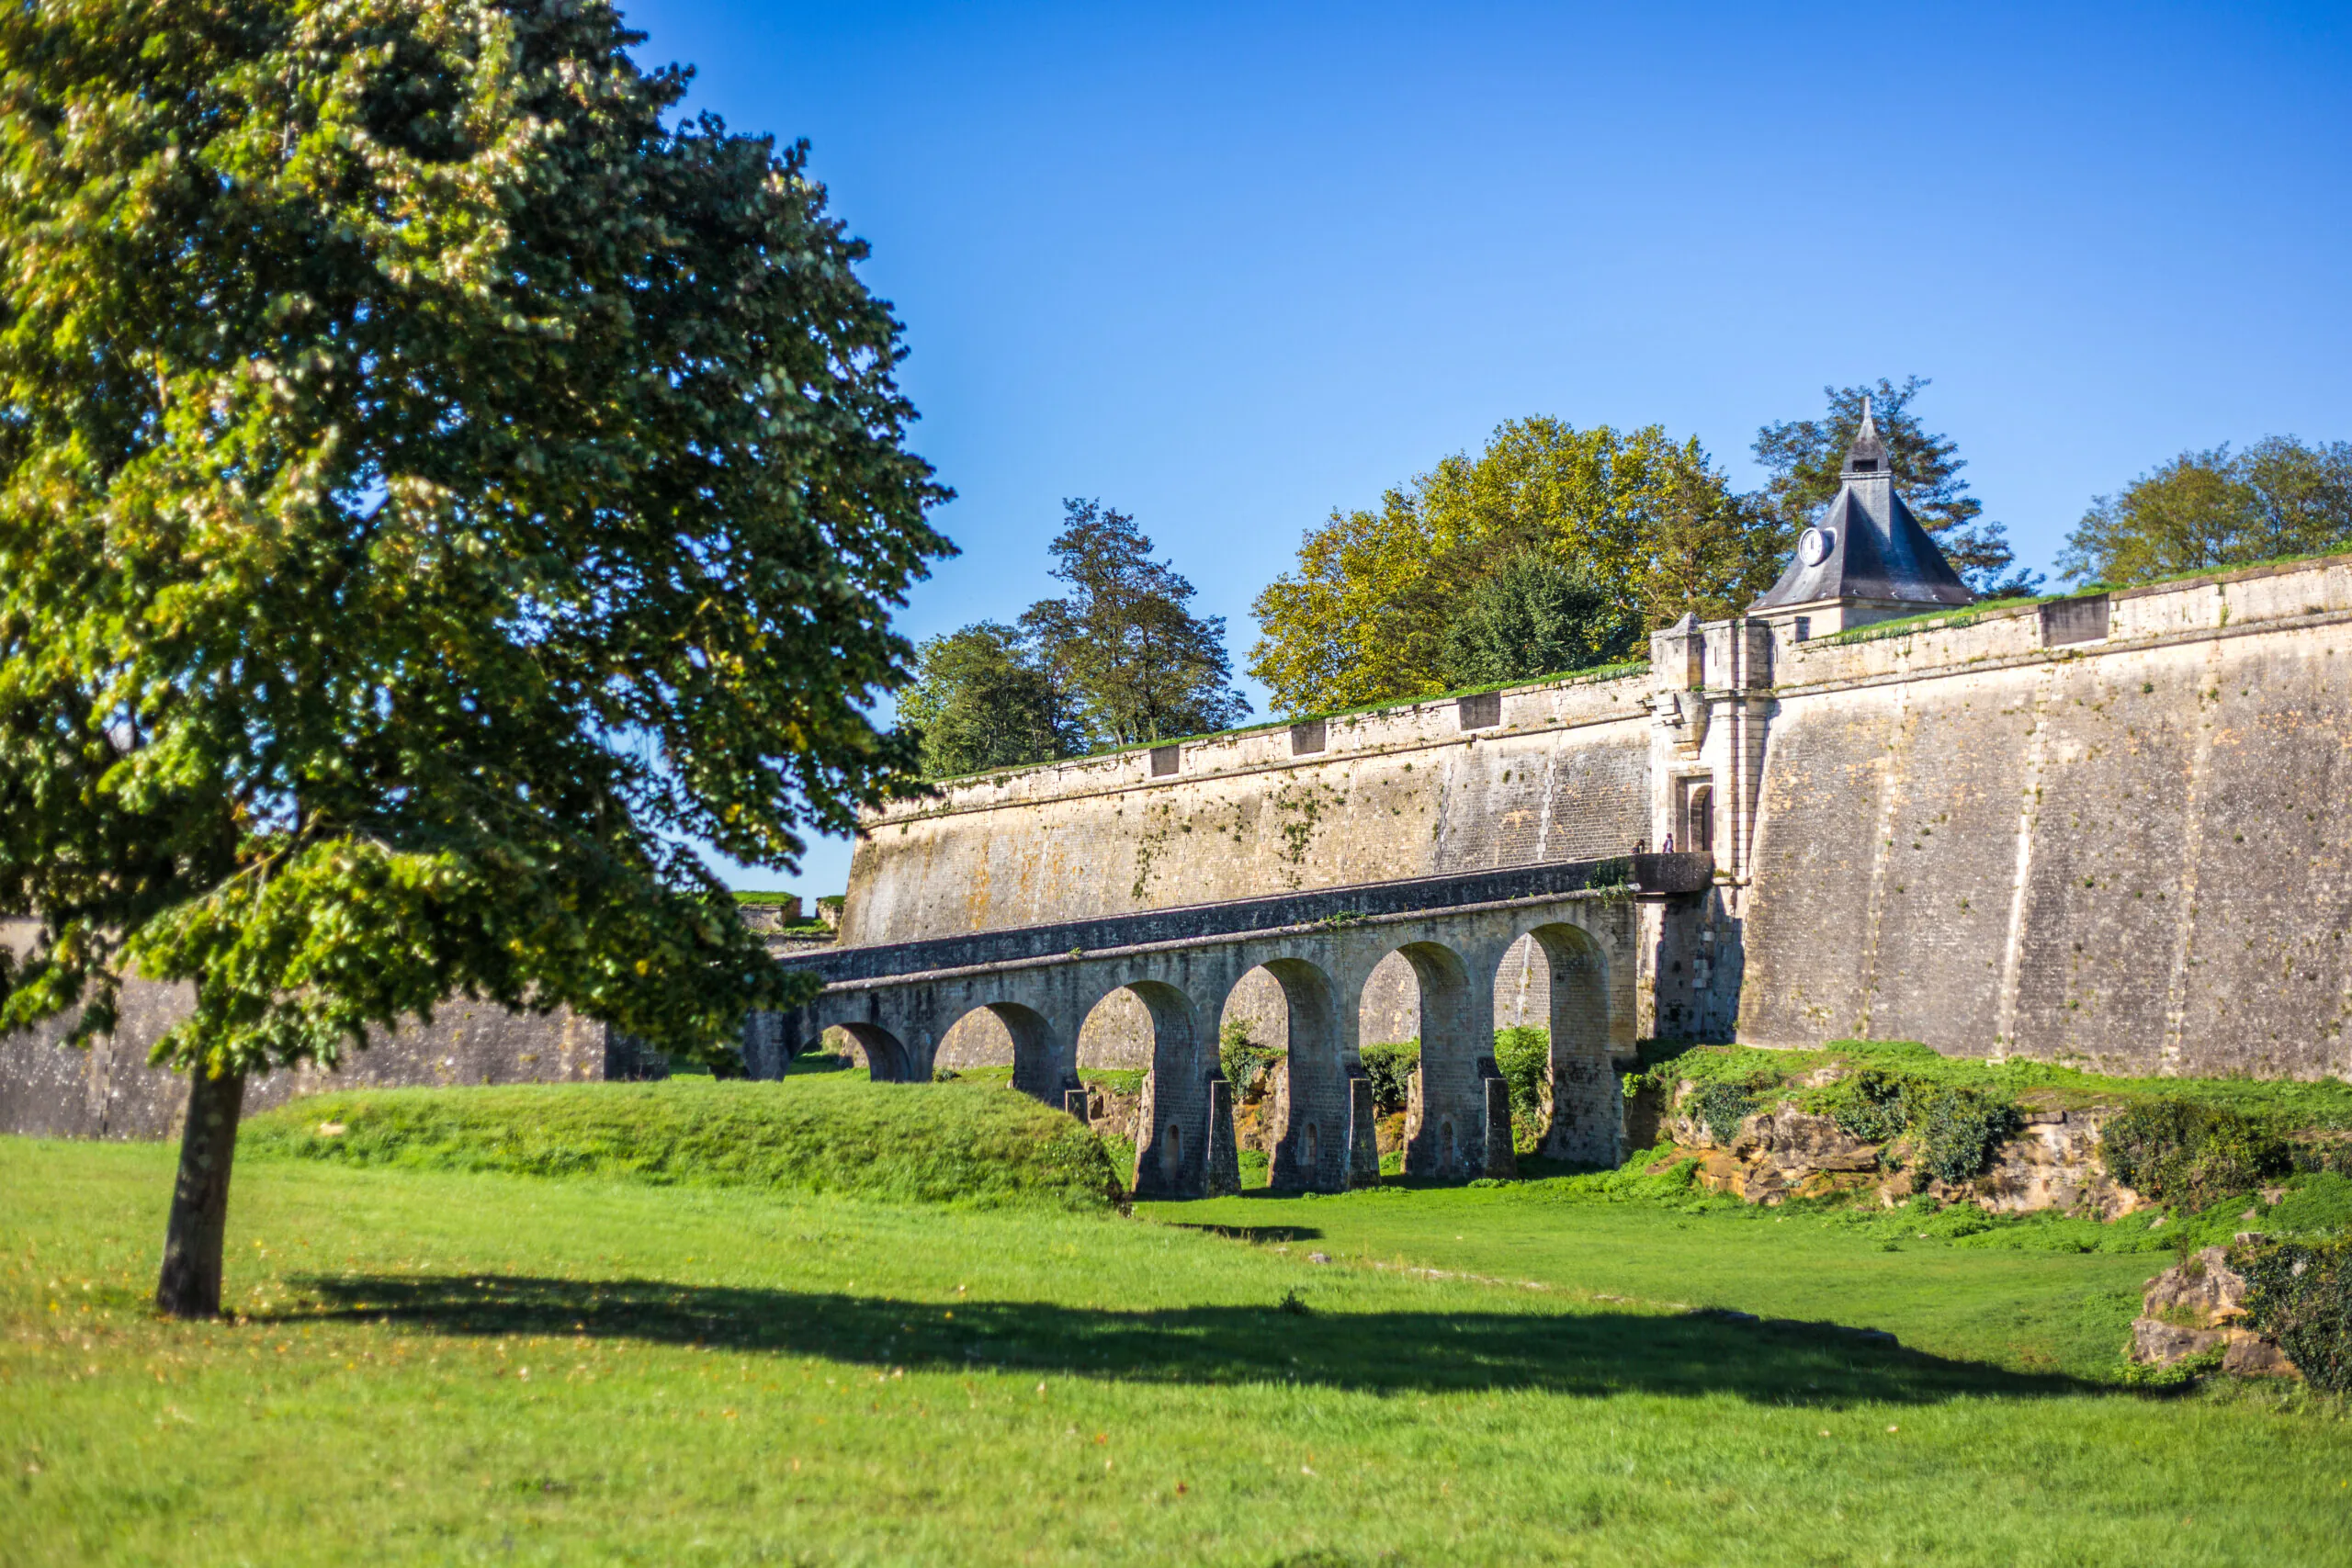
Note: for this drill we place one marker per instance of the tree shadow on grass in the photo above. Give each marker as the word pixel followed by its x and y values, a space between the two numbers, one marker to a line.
pixel 1382 1352
pixel 1262 1234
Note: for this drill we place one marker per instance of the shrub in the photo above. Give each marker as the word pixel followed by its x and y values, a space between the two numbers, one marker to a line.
pixel 2301 1296
pixel 1954 1128
pixel 1957 1129
pixel 1722 1107
pixel 1523 1056
pixel 1868 1105
pixel 1391 1070
pixel 1242 1060
pixel 2185 1153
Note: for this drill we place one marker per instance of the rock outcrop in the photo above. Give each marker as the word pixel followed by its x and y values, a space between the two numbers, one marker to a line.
pixel 1784 1152
pixel 2197 1306
pixel 2052 1163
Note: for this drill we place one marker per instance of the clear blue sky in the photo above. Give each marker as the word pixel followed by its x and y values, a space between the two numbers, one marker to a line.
pixel 1229 267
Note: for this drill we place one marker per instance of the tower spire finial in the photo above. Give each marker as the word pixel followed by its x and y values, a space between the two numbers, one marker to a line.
pixel 1868 454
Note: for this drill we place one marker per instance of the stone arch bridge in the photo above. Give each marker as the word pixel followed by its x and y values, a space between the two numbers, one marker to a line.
pixel 1596 923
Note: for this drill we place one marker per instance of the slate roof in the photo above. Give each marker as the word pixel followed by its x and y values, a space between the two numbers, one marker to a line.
pixel 1875 549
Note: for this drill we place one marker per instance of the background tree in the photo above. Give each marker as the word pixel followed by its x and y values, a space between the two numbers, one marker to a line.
pixel 1647 519
pixel 982 699
pixel 1137 663
pixel 432 488
pixel 1532 615
pixel 2278 497
pixel 1804 457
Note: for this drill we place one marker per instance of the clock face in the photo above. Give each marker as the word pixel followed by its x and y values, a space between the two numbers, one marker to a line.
pixel 1814 546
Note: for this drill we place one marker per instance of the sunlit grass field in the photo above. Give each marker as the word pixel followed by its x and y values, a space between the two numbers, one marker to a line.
pixel 435 1367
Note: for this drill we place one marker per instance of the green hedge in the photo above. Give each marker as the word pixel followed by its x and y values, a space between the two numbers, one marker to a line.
pixel 1241 1060
pixel 1721 1107
pixel 1523 1056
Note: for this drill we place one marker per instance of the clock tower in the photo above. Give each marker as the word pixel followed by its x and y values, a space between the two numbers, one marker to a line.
pixel 1865 559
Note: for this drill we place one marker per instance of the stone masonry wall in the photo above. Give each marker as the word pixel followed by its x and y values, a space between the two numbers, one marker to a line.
pixel 109 1091
pixel 2001 832
pixel 2131 854
pixel 1562 774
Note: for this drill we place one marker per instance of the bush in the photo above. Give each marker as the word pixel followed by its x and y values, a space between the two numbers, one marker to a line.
pixel 1391 1070
pixel 1722 1107
pixel 1523 1056
pixel 2184 1152
pixel 2301 1296
pixel 1242 1060
pixel 1868 1106
pixel 1957 1129
pixel 1954 1130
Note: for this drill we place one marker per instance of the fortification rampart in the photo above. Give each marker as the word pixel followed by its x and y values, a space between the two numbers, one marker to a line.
pixel 2109 828
pixel 2127 851
pixel 1546 773
pixel 107 1090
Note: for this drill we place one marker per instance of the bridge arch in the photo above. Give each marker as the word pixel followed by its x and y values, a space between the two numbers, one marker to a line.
pixel 887 1060
pixel 1313 1101
pixel 1587 1110
pixel 1010 1034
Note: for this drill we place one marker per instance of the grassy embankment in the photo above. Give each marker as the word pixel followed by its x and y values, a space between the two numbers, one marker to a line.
pixel 814 1132
pixel 639 1362
pixel 2321 1103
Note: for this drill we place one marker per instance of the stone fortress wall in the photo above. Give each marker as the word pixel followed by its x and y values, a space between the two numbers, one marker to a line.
pixel 2112 831
pixel 2109 829
pixel 1551 771
pixel 48 1091
pixel 108 1090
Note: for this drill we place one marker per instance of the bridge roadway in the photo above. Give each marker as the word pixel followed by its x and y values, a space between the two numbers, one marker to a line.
pixel 898 1000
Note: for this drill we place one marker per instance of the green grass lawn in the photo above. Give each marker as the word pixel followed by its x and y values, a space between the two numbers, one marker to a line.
pixel 2023 1310
pixel 441 1366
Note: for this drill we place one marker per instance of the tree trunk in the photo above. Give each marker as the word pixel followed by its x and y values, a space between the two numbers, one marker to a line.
pixel 190 1285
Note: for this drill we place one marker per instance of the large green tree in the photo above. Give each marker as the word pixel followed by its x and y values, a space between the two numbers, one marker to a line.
pixel 1124 643
pixel 983 699
pixel 1364 617
pixel 1532 615
pixel 2278 497
pixel 434 485
pixel 1804 457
